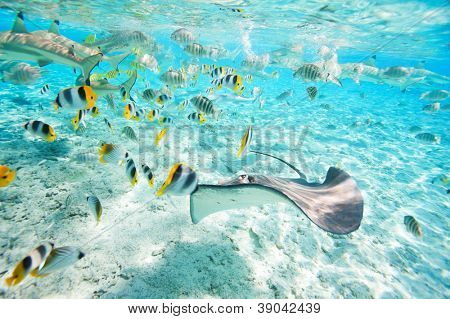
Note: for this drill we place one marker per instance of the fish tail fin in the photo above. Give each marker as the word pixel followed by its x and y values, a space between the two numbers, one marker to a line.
pixel 114 61
pixel 334 79
pixel 128 84
pixel 10 281
pixel 88 64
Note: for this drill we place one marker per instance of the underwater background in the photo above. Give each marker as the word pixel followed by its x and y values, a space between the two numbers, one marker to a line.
pixel 147 246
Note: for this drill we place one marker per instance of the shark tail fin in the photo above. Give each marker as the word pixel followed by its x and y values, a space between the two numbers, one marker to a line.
pixel 88 64
pixel 114 61
pixel 54 27
pixel 371 61
pixel 128 85
pixel 19 24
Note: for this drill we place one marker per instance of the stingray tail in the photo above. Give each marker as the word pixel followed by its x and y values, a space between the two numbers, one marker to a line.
pixel 283 161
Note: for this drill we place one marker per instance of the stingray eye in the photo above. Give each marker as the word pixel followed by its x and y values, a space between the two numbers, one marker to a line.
pixel 251 179
pixel 243 178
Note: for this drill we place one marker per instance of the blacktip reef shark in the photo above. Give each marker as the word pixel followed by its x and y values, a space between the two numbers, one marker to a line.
pixel 18 44
pixel 336 205
pixel 103 87
pixel 78 49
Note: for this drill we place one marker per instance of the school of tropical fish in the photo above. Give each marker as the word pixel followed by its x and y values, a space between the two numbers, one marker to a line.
pixel 173 95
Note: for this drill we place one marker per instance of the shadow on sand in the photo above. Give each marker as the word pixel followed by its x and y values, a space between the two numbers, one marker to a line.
pixel 189 270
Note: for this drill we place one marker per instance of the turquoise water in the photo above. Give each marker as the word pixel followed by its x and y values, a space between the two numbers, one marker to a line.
pixel 147 246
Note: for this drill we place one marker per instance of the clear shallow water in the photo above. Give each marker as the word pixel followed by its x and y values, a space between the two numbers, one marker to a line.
pixel 146 247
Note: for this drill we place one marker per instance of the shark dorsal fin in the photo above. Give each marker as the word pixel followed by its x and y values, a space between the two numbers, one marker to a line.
pixel 19 24
pixel 54 27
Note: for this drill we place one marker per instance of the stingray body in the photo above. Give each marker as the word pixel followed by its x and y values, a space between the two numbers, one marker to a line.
pixel 336 205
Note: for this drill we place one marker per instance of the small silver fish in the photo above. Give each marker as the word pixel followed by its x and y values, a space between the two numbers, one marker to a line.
pixel 45 89
pixel 129 133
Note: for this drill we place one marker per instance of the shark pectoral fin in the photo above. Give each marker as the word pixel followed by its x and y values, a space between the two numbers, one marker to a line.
pixel 19 24
pixel 87 64
pixel 54 27
pixel 42 63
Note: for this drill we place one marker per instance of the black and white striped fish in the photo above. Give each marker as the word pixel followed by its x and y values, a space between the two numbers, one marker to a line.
pixel 312 92
pixel 428 137
pixel 309 72
pixel 173 77
pixel 129 133
pixel 412 225
pixel 149 94
pixel 45 89
pixel 196 50
pixel 182 36
pixel 205 105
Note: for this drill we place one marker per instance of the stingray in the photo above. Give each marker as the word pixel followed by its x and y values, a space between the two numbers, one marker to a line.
pixel 336 205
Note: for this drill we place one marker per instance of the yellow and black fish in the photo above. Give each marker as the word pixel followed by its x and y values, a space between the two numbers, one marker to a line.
pixel 165 120
pixel 148 175
pixel 110 153
pixel 197 117
pixel 245 142
pixel 233 82
pixel 182 180
pixel 7 175
pixel 94 111
pixel 153 115
pixel 77 98
pixel 130 169
pixel 41 129
pixel 129 110
pixel 30 264
pixel 160 136
pixel 163 99
pixel 79 119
